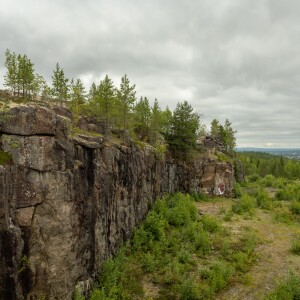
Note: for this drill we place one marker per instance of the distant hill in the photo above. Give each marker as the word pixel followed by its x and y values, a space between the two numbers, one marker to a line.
pixel 293 153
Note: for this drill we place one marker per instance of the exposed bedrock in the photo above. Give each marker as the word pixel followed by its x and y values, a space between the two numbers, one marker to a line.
pixel 68 201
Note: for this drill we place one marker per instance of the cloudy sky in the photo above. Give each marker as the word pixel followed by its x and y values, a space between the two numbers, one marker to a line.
pixel 235 59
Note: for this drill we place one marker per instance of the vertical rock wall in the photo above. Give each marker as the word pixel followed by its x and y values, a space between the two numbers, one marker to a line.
pixel 67 203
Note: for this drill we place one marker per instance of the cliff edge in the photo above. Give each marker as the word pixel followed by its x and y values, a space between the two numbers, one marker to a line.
pixel 68 200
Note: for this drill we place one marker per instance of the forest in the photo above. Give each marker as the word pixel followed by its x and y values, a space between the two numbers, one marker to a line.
pixel 117 109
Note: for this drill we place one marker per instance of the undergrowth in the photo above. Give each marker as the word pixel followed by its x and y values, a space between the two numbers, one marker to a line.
pixel 183 254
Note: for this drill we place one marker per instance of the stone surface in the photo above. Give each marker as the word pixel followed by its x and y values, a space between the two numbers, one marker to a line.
pixel 28 120
pixel 67 204
pixel 24 216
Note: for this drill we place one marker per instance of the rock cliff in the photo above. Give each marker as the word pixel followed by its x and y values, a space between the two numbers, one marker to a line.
pixel 68 201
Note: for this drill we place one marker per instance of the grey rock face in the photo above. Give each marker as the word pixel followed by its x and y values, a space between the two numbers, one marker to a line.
pixel 67 203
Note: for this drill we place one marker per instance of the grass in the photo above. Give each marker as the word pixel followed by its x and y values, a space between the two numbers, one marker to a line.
pixel 295 247
pixel 167 251
pixel 177 253
pixel 286 290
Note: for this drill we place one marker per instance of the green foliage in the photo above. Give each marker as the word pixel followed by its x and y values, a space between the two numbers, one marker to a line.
pixel 210 223
pixel 189 289
pixel 246 204
pixel 60 86
pixel 126 98
pixel 295 207
pixel 287 290
pixel 290 192
pixel 199 197
pixel 181 210
pixel 217 276
pixel 20 77
pixel 264 164
pixel 224 133
pixel 4 158
pixel 237 190
pixel 78 295
pixel 23 263
pixel 295 247
pixel 183 133
pixel 263 200
pixel 269 181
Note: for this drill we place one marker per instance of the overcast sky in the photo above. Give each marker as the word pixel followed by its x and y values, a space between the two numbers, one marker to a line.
pixel 235 59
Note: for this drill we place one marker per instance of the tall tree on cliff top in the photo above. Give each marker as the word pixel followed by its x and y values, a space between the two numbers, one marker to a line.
pixel 78 97
pixel 126 96
pixel 60 87
pixel 229 137
pixel 142 113
pixel 25 75
pixel 10 78
pixel 183 135
pixel 155 122
pixel 105 97
pixel 20 74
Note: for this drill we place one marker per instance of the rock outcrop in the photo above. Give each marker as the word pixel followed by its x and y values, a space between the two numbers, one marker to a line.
pixel 68 201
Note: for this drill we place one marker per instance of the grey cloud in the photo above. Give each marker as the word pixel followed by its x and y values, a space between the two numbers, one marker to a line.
pixel 230 59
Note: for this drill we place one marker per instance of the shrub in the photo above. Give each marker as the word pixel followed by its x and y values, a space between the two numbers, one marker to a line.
pixel 269 180
pixel 237 190
pixel 246 204
pixel 182 210
pixel 263 200
pixel 189 290
pixel 202 243
pixel 218 276
pixel 287 290
pixel 210 224
pixel 253 178
pixel 295 248
pixel 200 197
pixel 295 207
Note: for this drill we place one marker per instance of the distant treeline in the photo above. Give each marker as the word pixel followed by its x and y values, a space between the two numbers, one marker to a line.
pixel 262 164
pixel 116 108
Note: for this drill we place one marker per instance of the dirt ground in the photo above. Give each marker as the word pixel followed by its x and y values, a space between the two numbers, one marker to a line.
pixel 274 259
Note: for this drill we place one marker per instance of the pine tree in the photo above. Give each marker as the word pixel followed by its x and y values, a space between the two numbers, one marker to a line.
pixel 38 85
pixel 10 78
pixel 183 135
pixel 155 122
pixel 60 87
pixel 215 128
pixel 229 137
pixel 142 113
pixel 78 97
pixel 126 96
pixel 105 96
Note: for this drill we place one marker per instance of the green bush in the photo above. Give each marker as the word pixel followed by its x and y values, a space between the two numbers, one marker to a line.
pixel 295 248
pixel 189 290
pixel 199 197
pixel 295 207
pixel 253 178
pixel 246 204
pixel 263 200
pixel 269 181
pixel 287 290
pixel 210 223
pixel 182 210
pixel 237 190
pixel 290 192
pixel 202 243
pixel 217 276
